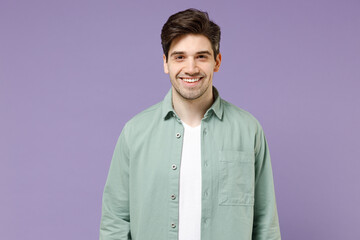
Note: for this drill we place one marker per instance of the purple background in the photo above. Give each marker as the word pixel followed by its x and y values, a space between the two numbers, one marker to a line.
pixel 73 72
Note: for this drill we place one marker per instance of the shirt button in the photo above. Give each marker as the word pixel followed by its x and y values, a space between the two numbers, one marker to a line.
pixel 205 193
pixel 206 163
pixel 173 197
pixel 178 135
pixel 205 131
pixel 173 225
pixel 173 167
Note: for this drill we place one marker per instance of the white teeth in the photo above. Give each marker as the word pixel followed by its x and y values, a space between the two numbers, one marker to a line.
pixel 191 79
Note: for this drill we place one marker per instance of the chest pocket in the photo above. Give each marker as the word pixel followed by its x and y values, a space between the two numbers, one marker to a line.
pixel 236 178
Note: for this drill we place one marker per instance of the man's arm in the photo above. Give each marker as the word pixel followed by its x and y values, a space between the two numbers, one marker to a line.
pixel 115 219
pixel 266 223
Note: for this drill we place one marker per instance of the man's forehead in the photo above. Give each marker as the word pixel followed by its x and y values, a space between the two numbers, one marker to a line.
pixel 205 52
pixel 191 44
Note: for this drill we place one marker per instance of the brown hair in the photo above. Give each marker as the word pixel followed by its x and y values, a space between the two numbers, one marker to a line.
pixel 190 21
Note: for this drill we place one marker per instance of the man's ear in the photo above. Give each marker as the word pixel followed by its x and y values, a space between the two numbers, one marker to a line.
pixel 166 68
pixel 217 62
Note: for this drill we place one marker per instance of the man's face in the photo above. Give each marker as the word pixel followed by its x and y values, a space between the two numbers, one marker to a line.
pixel 191 66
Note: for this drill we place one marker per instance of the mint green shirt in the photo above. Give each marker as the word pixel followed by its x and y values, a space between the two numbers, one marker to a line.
pixel 140 199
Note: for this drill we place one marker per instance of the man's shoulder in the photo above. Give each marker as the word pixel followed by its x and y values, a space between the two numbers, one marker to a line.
pixel 239 115
pixel 146 116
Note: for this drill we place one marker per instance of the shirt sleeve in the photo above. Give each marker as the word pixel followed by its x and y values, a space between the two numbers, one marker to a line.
pixel 266 223
pixel 115 219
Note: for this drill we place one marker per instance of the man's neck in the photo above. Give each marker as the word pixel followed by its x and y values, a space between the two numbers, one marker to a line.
pixel 192 111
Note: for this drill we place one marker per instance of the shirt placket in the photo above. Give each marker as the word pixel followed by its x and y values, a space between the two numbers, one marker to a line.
pixel 174 178
pixel 206 180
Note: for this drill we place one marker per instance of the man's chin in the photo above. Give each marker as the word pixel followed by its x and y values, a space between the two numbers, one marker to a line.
pixel 190 96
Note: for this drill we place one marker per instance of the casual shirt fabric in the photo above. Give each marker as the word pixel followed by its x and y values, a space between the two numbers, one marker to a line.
pixel 190 184
pixel 140 199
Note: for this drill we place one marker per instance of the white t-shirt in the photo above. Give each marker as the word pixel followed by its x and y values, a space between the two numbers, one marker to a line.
pixel 190 185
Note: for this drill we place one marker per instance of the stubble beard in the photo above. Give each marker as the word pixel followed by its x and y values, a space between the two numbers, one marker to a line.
pixel 191 94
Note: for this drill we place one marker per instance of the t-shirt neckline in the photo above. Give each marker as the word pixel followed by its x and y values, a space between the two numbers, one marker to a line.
pixel 188 126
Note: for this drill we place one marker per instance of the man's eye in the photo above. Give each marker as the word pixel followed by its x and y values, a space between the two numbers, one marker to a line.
pixel 179 57
pixel 202 56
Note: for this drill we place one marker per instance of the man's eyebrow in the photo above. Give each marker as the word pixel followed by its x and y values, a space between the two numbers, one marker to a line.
pixel 204 52
pixel 181 52
pixel 176 53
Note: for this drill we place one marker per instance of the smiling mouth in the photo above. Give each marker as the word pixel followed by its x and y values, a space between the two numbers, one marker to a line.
pixel 191 80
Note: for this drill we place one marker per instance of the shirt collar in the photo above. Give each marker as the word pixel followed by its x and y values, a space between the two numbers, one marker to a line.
pixel 216 107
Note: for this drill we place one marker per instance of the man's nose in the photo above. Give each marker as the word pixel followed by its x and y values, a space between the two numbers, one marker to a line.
pixel 191 67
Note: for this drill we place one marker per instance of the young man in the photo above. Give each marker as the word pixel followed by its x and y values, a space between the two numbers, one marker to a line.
pixel 192 166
